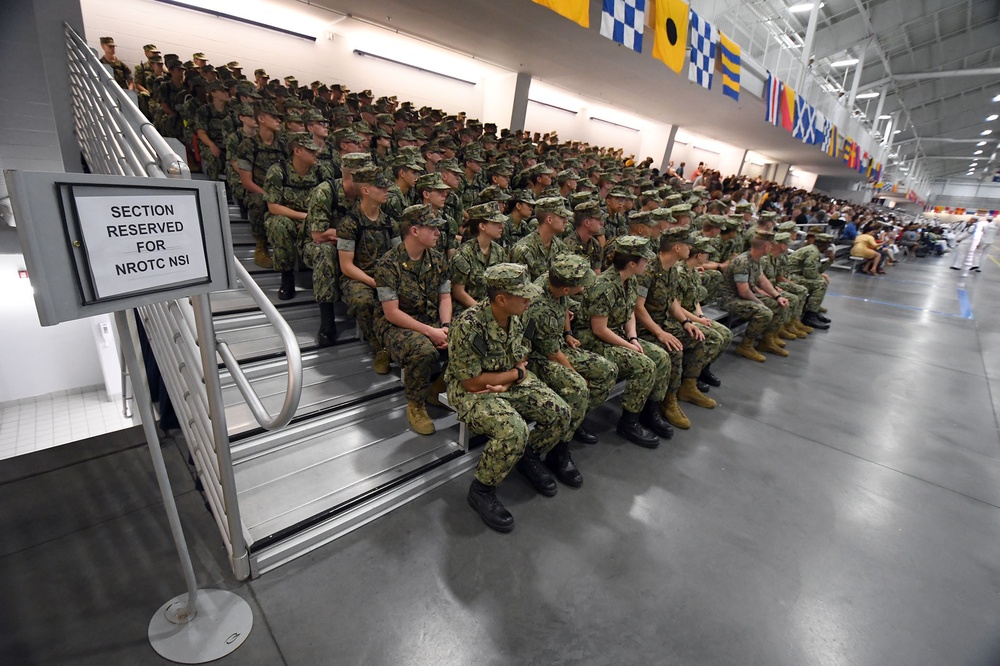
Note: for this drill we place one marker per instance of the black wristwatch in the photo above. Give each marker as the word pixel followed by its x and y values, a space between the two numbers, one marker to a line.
pixel 520 373
pixel 566 334
pixel 633 338
pixel 689 321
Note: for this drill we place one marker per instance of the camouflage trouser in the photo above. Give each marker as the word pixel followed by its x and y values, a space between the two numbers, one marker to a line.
pixel 757 315
pixel 323 260
pixel 420 360
pixel 711 281
pixel 256 211
pixel 584 389
pixel 235 185
pixel 689 362
pixel 211 165
pixel 801 293
pixel 817 291
pixel 361 301
pixel 647 375
pixel 781 315
pixel 283 235
pixel 503 418
pixel 170 126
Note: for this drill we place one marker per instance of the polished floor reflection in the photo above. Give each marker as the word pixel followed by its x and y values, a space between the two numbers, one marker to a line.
pixel 840 506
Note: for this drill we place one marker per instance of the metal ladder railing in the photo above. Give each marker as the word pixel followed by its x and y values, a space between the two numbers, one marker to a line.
pixel 116 139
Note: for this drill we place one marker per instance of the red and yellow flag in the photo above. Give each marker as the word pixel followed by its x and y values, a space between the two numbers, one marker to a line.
pixel 577 11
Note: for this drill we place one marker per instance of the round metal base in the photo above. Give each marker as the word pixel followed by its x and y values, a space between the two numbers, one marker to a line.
pixel 223 621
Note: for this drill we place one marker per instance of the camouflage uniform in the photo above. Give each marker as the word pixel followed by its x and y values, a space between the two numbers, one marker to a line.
pixel 762 318
pixel 397 202
pixel 233 182
pixel 173 97
pixel 591 249
pixel 804 268
pixel 257 157
pixel 512 234
pixel 690 293
pixel 648 374
pixel 417 285
pixel 797 295
pixel 121 72
pixel 322 257
pixel 210 121
pixel 368 240
pixel 616 225
pixel 468 267
pixel 659 286
pixel 592 377
pixel 284 186
pixel 532 253
pixel 478 344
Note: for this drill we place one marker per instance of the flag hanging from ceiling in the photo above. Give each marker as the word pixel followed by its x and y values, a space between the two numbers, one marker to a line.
pixel 819 128
pixel 623 21
pixel 670 28
pixel 786 105
pixel 703 39
pixel 577 11
pixel 772 97
pixel 850 153
pixel 729 56
pixel 831 140
pixel 803 129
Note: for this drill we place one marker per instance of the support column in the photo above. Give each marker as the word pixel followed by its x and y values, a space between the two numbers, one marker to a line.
pixel 878 109
pixel 669 149
pixel 807 48
pixel 743 162
pixel 519 110
pixel 857 78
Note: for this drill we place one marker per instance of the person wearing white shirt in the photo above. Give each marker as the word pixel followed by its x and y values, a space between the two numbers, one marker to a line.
pixel 990 231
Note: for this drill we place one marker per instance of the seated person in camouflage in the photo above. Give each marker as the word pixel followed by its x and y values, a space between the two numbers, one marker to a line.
pixel 617 203
pixel 711 276
pixel 363 236
pixel 663 321
pixel 775 267
pixel 209 123
pixel 663 219
pixel 730 240
pixel 805 267
pixel 319 127
pixel 499 174
pixel 452 174
pixel 405 171
pixel 541 246
pixel 482 250
pixel 582 378
pixel 495 394
pixel 588 222
pixel 606 325
pixel 433 191
pixel 691 294
pixel 255 155
pixel 286 190
pixel 639 224
pixel 246 129
pixel 747 293
pixel 171 93
pixel 521 220
pixel 415 312
pixel 540 179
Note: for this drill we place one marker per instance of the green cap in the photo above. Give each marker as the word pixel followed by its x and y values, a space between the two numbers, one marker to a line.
pixel 730 224
pixel 782 237
pixel 541 169
pixel 673 199
pixel 635 245
pixel 789 226
pixel 355 161
pixel 431 181
pixel 766 235
pixel 556 205
pixel 488 212
pixel 744 208
pixel 421 215
pixel 661 214
pixel 313 116
pixel 405 160
pixel 244 110
pixel 591 208
pixel 198 56
pixel 492 193
pixel 642 217
pixel 681 209
pixel 156 58
pixel 293 116
pixel 512 279
pixel 716 221
pixel 824 238
pixel 216 85
pixel 110 41
pixel 767 215
pixel 149 47
pixel 372 175
pixel 304 139
pixel 573 270
pixel 450 165
pixel 566 175
pixel 501 169
pixel 523 196
pixel 703 245
pixel 620 193
pixel 677 235
pixel 267 106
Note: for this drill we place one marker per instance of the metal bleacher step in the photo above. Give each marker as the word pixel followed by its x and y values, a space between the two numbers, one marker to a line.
pixel 251 336
pixel 313 470
pixel 237 300
pixel 240 233
pixel 332 378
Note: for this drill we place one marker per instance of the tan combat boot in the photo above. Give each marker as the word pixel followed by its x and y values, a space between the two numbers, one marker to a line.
pixel 746 350
pixel 822 309
pixel 420 422
pixel 381 364
pixel 672 412
pixel 768 344
pixel 689 393
pixel 435 391
pixel 802 327
pixel 260 255
pixel 786 332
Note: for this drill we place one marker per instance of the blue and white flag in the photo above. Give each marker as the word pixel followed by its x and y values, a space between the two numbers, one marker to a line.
pixel 704 38
pixel 623 20
pixel 819 128
pixel 803 127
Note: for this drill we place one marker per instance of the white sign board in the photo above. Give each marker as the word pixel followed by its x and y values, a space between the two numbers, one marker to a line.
pixel 138 243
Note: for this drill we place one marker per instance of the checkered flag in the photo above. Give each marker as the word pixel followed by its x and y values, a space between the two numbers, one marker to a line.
pixel 623 20
pixel 704 40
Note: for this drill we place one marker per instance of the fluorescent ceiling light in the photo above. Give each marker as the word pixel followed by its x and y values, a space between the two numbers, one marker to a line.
pixel 986 132
pixel 991 118
pixel 844 63
pixel 553 106
pixel 996 98
pixel 608 122
pixel 804 7
pixel 978 152
pixel 884 116
pixel 234 10
pixel 981 143
pixel 867 95
pixel 366 54
pixel 897 131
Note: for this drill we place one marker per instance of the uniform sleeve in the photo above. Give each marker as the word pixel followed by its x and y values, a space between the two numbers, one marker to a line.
pixel 273 190
pixel 319 213
pixel 548 335
pixel 387 278
pixel 645 283
pixel 463 360
pixel 201 119
pixel 601 304
pixel 518 253
pixel 460 267
pixel 346 234
pixel 810 266
pixel 741 271
pixel 397 233
pixel 244 155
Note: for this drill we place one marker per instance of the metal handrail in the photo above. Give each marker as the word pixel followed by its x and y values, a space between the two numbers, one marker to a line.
pixel 293 356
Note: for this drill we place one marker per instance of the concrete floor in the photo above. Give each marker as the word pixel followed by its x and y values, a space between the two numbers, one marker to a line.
pixel 840 506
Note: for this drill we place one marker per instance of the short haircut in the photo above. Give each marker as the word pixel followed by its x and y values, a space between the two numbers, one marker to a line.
pixel 622 259
pixel 557 283
pixel 759 243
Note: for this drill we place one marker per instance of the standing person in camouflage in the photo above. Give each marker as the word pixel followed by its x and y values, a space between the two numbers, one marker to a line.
pixel 247 128
pixel 495 394
pixel 414 312
pixel 363 236
pixel 171 93
pixel 119 70
pixel 588 220
pixel 805 267
pixel 690 294
pixel 541 246
pixel 405 171
pixel 608 327
pixel 254 157
pixel 664 322
pixel 775 267
pixel 287 186
pixel 433 191
pixel 319 253
pixel 746 293
pixel 209 121
pixel 520 222
pixel 474 256
pixel 582 378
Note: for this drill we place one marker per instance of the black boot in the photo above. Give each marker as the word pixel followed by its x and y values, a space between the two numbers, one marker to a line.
pixel 630 428
pixel 327 326
pixel 811 319
pixel 822 317
pixel 584 436
pixel 561 465
pixel 653 419
pixel 483 499
pixel 707 377
pixel 287 289
pixel 702 386
pixel 532 468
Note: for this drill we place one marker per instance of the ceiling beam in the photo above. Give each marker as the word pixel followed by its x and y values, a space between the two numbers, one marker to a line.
pixel 917 76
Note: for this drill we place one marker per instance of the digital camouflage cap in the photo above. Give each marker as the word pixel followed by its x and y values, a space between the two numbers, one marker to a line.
pixel 572 270
pixel 512 279
pixel 372 175
pixel 636 246
pixel 421 215
pixel 487 212
pixel 431 181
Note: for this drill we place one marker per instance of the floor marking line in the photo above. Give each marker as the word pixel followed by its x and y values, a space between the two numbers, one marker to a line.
pixel 964 305
pixel 993 259
pixel 898 305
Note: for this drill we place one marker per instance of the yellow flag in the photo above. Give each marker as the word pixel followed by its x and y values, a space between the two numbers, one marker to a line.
pixel 670 32
pixel 577 11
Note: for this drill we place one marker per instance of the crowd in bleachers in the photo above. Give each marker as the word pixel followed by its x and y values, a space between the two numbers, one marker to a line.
pixel 520 275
